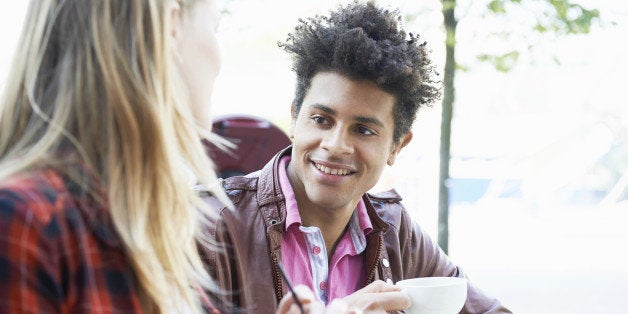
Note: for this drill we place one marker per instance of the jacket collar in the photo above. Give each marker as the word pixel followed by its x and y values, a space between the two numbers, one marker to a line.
pixel 268 189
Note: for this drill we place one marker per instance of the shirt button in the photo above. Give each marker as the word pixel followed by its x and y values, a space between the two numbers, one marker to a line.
pixel 322 285
pixel 385 263
pixel 316 250
pixel 389 281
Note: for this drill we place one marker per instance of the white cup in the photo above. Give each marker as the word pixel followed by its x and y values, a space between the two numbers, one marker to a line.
pixel 435 295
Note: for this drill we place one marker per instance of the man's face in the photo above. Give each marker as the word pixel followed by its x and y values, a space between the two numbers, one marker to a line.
pixel 342 140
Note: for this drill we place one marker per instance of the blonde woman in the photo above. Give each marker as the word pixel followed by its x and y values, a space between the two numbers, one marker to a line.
pixel 100 154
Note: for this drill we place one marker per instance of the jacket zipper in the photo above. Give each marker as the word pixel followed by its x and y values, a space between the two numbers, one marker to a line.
pixel 278 286
pixel 371 275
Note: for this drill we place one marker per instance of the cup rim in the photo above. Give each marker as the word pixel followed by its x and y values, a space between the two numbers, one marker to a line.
pixel 435 281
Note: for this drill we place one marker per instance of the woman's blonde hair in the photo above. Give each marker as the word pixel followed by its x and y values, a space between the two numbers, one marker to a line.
pixel 97 79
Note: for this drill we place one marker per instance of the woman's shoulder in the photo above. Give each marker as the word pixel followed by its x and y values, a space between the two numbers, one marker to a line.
pixel 34 195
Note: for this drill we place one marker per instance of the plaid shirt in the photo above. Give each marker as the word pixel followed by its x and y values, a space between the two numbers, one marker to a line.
pixel 59 252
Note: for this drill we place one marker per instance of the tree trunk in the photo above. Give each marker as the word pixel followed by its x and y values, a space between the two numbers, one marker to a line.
pixel 447 114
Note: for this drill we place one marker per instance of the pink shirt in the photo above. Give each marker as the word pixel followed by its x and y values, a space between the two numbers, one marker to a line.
pixel 304 254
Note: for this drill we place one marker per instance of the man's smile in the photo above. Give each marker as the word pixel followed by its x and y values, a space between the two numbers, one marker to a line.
pixel 332 171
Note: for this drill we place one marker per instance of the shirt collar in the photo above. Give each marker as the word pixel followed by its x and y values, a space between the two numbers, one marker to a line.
pixel 292 210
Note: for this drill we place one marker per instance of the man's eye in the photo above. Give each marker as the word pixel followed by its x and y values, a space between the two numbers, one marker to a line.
pixel 365 131
pixel 319 119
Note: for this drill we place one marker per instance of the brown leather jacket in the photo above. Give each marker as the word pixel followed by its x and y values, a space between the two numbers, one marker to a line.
pixel 247 270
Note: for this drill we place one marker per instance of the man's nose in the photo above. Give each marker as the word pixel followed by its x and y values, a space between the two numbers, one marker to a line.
pixel 337 141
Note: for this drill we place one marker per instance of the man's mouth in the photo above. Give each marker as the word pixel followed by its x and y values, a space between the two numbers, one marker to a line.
pixel 332 171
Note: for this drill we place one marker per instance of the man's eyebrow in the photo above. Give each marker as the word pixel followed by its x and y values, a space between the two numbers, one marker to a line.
pixel 369 120
pixel 324 108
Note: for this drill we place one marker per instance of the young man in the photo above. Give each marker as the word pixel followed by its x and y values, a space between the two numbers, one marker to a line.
pixel 360 82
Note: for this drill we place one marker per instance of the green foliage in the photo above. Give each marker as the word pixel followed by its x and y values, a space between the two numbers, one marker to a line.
pixel 499 6
pixel 504 62
pixel 561 17
pixel 569 18
pixel 461 67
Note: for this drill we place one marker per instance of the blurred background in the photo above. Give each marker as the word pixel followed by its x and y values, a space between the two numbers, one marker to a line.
pixel 538 186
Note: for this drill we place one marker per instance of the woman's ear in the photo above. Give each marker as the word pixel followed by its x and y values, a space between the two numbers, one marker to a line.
pixel 173 12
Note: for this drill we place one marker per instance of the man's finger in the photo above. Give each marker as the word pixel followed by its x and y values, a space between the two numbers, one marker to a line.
pixel 379 286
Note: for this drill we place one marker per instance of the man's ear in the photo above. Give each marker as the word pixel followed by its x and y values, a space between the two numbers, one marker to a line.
pixel 397 148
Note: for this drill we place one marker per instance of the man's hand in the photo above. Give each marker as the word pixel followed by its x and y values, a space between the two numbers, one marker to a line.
pixel 376 298
pixel 310 304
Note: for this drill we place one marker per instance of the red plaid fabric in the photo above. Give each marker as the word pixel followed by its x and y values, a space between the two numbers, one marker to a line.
pixel 59 252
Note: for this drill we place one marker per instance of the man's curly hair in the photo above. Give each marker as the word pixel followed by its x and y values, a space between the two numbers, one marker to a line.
pixel 365 42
